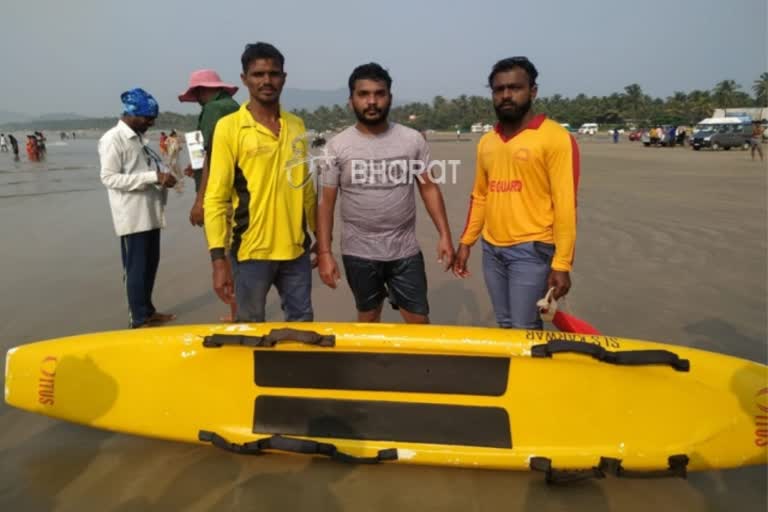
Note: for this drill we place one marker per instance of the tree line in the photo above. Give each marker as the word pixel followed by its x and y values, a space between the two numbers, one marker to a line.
pixel 632 106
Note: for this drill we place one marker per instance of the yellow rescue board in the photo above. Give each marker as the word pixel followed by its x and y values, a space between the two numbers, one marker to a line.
pixel 439 395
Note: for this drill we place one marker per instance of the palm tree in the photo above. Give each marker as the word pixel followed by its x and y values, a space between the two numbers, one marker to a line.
pixel 724 94
pixel 635 102
pixel 700 104
pixel 461 107
pixel 481 109
pixel 677 105
pixel 760 88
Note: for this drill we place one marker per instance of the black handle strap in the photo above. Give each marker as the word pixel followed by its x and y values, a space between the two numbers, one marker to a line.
pixel 289 444
pixel 563 476
pixel 216 440
pixel 271 339
pixel 678 468
pixel 608 466
pixel 621 357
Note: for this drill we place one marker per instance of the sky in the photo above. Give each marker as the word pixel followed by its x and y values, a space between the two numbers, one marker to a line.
pixel 79 55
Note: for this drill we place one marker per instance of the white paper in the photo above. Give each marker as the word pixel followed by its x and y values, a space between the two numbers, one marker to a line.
pixel 196 148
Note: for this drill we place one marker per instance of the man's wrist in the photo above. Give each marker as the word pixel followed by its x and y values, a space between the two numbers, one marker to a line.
pixel 218 254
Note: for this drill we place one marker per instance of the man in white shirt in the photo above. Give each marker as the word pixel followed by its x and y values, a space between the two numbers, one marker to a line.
pixel 137 189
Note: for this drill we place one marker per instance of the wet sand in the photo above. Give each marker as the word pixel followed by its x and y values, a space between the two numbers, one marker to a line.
pixel 672 247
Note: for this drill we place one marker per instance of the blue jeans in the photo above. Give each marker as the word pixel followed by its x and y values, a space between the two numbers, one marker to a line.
pixel 292 278
pixel 516 277
pixel 141 255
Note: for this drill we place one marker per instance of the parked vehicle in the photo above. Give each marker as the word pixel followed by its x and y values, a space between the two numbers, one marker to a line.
pixel 588 128
pixel 721 133
pixel 661 138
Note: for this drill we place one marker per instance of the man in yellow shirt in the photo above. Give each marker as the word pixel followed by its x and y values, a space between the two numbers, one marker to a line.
pixel 270 240
pixel 523 202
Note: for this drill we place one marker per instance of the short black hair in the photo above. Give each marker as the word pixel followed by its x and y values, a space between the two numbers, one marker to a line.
pixel 370 71
pixel 261 51
pixel 512 63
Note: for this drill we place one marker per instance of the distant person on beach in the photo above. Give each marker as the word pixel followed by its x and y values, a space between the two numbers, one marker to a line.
pixel 74 135
pixel 137 191
pixel 215 97
pixel 615 135
pixel 379 250
pixel 14 145
pixel 672 136
pixel 270 242
pixel 173 144
pixel 756 140
pixel 3 143
pixel 41 149
pixel 523 203
pixel 163 144
pixel 680 134
pixel 33 152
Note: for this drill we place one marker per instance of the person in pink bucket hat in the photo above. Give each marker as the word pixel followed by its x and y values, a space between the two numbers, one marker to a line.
pixel 205 79
pixel 215 98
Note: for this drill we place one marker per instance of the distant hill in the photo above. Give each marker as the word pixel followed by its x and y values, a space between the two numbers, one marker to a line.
pixel 292 99
pixel 65 116
pixel 12 117
pixel 17 120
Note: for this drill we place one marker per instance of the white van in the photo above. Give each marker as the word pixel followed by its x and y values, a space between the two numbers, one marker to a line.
pixel 588 128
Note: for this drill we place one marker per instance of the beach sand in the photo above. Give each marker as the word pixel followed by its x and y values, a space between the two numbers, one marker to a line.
pixel 671 247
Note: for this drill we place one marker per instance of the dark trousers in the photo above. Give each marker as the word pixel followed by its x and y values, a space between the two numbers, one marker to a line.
pixel 141 256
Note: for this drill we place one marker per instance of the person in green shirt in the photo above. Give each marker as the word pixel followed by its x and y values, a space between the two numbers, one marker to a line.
pixel 215 98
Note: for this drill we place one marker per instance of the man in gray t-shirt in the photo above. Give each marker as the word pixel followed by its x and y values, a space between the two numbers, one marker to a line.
pixel 375 165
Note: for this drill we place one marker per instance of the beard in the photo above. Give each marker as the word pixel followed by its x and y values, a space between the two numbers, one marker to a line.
pixel 514 114
pixel 381 116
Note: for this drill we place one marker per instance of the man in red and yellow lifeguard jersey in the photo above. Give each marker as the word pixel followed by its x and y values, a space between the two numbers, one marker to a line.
pixel 523 202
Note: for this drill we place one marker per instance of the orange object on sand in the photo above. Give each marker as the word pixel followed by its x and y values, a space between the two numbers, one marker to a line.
pixel 563 321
